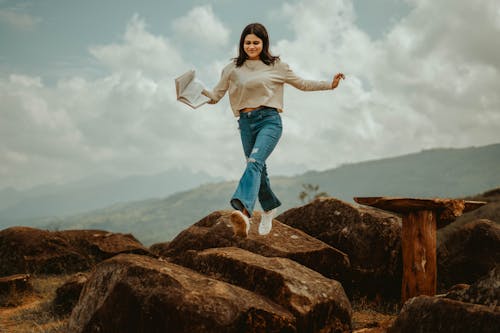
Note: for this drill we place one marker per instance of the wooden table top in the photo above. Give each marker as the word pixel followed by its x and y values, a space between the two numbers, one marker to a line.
pixel 447 209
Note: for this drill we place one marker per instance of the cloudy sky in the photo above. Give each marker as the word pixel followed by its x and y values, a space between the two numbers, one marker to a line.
pixel 86 87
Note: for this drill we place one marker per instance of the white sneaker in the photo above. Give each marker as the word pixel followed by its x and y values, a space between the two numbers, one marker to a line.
pixel 241 223
pixel 266 222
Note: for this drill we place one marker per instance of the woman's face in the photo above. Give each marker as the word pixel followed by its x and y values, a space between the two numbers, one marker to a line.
pixel 252 46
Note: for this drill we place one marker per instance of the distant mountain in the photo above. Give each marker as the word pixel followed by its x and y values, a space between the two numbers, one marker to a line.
pixel 431 173
pixel 92 193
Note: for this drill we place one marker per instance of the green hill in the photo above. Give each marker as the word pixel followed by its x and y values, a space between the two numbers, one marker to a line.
pixel 431 173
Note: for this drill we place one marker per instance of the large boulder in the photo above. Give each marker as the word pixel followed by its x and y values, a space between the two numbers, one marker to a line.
pixel 101 245
pixel 158 248
pixel 30 250
pixel 131 293
pixel 318 303
pixel 215 231
pixel 13 287
pixel 443 315
pixel 370 237
pixel 484 291
pixel 490 211
pixel 468 253
pixel 67 295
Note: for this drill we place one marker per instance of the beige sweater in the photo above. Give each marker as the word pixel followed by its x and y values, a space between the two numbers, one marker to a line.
pixel 256 84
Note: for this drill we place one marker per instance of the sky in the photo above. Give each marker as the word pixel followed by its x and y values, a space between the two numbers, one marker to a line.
pixel 87 87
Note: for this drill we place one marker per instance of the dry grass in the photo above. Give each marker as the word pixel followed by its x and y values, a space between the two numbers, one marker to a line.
pixel 373 316
pixel 377 304
pixel 371 321
pixel 32 313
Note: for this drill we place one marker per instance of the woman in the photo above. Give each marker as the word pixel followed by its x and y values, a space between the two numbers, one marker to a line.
pixel 255 82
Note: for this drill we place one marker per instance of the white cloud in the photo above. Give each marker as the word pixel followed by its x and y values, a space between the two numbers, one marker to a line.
pixel 447 70
pixel 432 81
pixel 140 51
pixel 37 138
pixel 26 81
pixel 202 26
pixel 122 123
pixel 18 20
pixel 429 82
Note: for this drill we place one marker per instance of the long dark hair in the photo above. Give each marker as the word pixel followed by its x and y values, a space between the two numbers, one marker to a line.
pixel 260 31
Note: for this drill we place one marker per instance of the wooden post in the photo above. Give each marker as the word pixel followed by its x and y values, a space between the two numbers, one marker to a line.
pixel 421 218
pixel 418 245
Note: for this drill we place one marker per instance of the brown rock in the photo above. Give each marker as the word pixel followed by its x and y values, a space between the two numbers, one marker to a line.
pixel 457 291
pixel 102 245
pixel 469 253
pixel 67 295
pixel 370 237
pixel 442 315
pixel 131 293
pixel 491 211
pixel 30 250
pixel 485 291
pixel 13 287
pixel 158 248
pixel 319 304
pixel 283 241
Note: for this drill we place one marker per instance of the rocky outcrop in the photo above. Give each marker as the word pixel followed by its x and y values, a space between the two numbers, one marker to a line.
pixel 442 315
pixel 491 211
pixel 67 295
pixel 484 291
pixel 319 304
pixel 30 250
pixel 103 244
pixel 131 293
pixel 158 248
pixel 215 231
pixel 370 237
pixel 13 287
pixel 468 253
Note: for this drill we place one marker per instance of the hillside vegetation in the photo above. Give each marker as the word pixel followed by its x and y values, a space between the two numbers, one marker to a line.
pixel 431 173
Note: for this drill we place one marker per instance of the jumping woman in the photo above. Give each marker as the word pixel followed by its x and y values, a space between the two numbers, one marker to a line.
pixel 255 82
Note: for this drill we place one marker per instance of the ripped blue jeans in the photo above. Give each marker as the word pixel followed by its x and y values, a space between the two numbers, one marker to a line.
pixel 260 132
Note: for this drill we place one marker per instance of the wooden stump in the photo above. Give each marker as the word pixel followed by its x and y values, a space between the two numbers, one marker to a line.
pixel 419 254
pixel 421 218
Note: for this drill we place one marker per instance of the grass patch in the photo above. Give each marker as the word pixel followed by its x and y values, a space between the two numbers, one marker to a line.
pixel 33 312
pixel 375 314
pixel 362 303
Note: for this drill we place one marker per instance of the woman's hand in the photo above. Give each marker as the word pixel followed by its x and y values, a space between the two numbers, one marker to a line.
pixel 207 94
pixel 336 80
